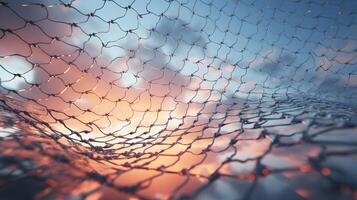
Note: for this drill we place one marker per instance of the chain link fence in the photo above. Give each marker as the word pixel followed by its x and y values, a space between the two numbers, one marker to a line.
pixel 178 99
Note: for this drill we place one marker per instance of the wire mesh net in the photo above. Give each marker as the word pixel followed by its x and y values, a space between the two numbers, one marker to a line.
pixel 178 99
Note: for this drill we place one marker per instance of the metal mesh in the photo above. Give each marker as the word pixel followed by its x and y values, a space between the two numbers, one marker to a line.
pixel 171 99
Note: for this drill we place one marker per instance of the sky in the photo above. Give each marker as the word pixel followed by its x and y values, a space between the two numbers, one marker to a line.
pixel 130 60
pixel 276 44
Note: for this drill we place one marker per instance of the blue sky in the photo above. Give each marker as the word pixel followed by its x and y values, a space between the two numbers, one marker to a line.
pixel 275 44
